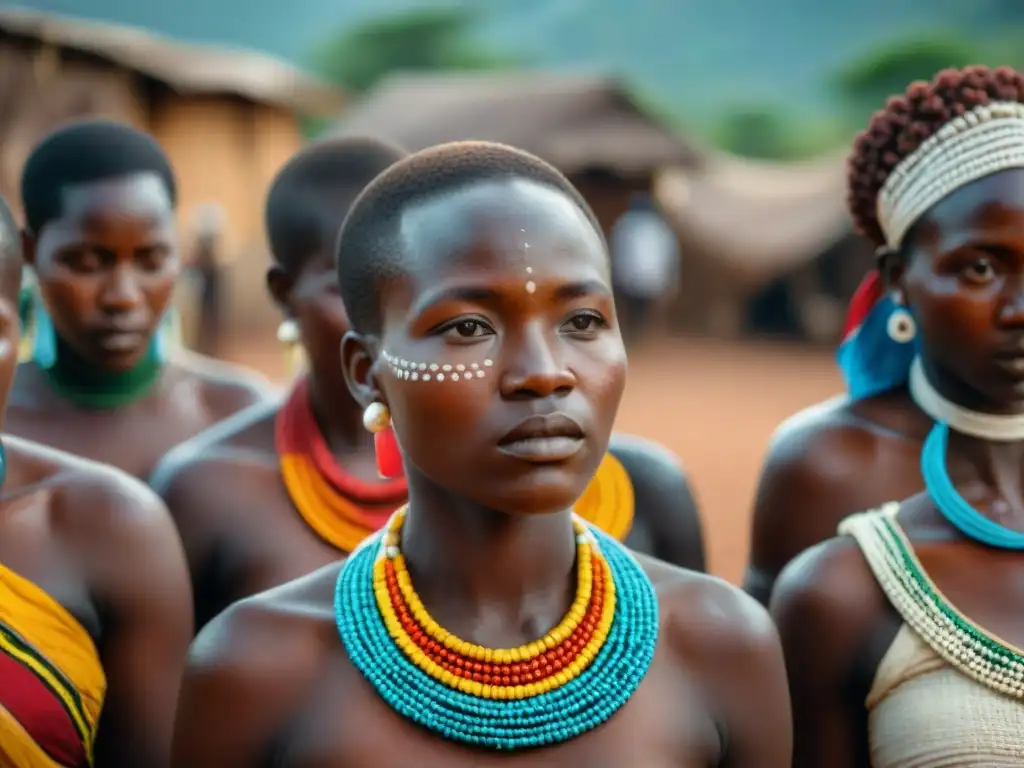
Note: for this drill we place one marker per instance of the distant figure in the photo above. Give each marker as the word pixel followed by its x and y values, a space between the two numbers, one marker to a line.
pixel 208 264
pixel 102 376
pixel 645 264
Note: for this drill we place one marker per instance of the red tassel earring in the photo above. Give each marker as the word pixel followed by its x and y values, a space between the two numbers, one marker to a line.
pixel 377 419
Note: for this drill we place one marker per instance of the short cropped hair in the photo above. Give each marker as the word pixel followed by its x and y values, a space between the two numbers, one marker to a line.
pixel 84 152
pixel 311 195
pixel 369 251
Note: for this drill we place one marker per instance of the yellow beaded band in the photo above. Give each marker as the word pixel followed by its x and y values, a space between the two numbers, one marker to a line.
pixel 587 552
pixel 565 628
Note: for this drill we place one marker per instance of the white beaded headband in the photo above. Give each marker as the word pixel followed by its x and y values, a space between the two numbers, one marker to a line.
pixel 986 140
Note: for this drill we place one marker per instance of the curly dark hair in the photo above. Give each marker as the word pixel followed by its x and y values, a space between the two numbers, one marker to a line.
pixel 908 120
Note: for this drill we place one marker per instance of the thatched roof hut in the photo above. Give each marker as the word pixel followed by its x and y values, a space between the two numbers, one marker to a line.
pixel 227 118
pixel 591 128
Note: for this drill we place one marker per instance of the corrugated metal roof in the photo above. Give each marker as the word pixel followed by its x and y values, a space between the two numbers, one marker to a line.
pixel 574 122
pixel 185 67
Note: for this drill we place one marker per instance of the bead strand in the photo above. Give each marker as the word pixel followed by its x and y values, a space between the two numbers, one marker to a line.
pixel 572 706
pixel 965 646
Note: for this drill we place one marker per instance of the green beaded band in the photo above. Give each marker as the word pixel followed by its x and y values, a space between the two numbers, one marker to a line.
pixel 951 635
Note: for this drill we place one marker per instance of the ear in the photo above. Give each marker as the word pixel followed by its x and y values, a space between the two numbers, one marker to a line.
pixel 892 265
pixel 28 247
pixel 358 364
pixel 279 286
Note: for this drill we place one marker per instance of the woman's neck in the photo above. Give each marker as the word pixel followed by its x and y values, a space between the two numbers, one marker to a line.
pixel 999 466
pixel 93 387
pixel 957 391
pixel 339 419
pixel 506 579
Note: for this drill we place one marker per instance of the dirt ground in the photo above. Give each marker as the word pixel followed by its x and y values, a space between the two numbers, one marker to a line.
pixel 715 404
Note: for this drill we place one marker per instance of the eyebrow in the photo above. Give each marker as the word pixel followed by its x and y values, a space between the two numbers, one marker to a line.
pixel 481 294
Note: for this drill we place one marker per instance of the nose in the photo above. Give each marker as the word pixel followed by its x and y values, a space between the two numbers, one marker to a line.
pixel 121 292
pixel 533 368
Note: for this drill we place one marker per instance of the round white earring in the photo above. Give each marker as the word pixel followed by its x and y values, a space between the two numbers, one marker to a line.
pixel 288 332
pixel 901 326
pixel 376 417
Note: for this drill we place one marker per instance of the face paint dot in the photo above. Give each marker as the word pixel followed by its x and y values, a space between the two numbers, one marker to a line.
pixel 460 367
pixel 440 377
pixel 426 377
pixel 529 270
pixel 479 374
pixel 434 366
pixel 474 366
pixel 488 363
pixel 446 367
pixel 531 286
pixel 422 366
pixel 415 376
pixel 455 377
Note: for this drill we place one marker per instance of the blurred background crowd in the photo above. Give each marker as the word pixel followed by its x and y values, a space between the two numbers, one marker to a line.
pixel 708 135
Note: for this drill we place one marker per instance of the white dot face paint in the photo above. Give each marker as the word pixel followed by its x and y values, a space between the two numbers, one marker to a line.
pixel 411 370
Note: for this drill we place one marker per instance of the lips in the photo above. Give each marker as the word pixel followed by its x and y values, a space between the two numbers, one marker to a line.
pixel 543 439
pixel 120 340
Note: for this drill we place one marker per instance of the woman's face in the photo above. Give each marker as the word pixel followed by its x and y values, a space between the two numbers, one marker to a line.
pixel 500 357
pixel 964 281
pixel 107 267
pixel 315 302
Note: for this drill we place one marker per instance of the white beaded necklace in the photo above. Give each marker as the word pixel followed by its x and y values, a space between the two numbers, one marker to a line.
pixel 956 639
pixel 987 426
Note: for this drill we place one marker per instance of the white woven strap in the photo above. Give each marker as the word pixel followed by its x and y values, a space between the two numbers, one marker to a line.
pixel 986 140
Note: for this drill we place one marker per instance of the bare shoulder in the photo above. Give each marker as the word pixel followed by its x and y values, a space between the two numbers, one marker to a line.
pixel 265 648
pixel 828 591
pixel 705 618
pixel 226 444
pixel 653 469
pixel 115 525
pixel 813 476
pixel 226 388
pixel 665 503
pixel 635 451
pixel 89 497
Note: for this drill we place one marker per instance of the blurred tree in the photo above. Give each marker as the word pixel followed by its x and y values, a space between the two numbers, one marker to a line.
pixel 868 80
pixel 769 132
pixel 420 39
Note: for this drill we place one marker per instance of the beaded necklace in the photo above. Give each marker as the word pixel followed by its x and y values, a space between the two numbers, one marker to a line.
pixel 342 509
pixel 79 381
pixel 993 427
pixel 95 389
pixel 546 692
pixel 964 645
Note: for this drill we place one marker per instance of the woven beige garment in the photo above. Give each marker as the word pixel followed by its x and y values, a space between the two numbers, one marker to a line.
pixel 925 714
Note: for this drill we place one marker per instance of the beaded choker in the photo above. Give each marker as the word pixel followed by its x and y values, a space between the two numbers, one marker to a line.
pixel 93 388
pixel 342 509
pixel 985 426
pixel 546 692
pixel 965 646
pixel 77 380
pixel 965 518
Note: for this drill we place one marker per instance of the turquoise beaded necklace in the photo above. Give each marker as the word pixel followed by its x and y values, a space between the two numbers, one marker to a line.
pixel 553 717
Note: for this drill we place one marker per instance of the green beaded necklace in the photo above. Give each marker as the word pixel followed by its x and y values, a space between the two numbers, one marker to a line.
pixel 95 389
pixel 964 645
pixel 79 381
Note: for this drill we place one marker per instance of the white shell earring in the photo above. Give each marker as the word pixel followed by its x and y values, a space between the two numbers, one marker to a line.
pixel 288 332
pixel 901 326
